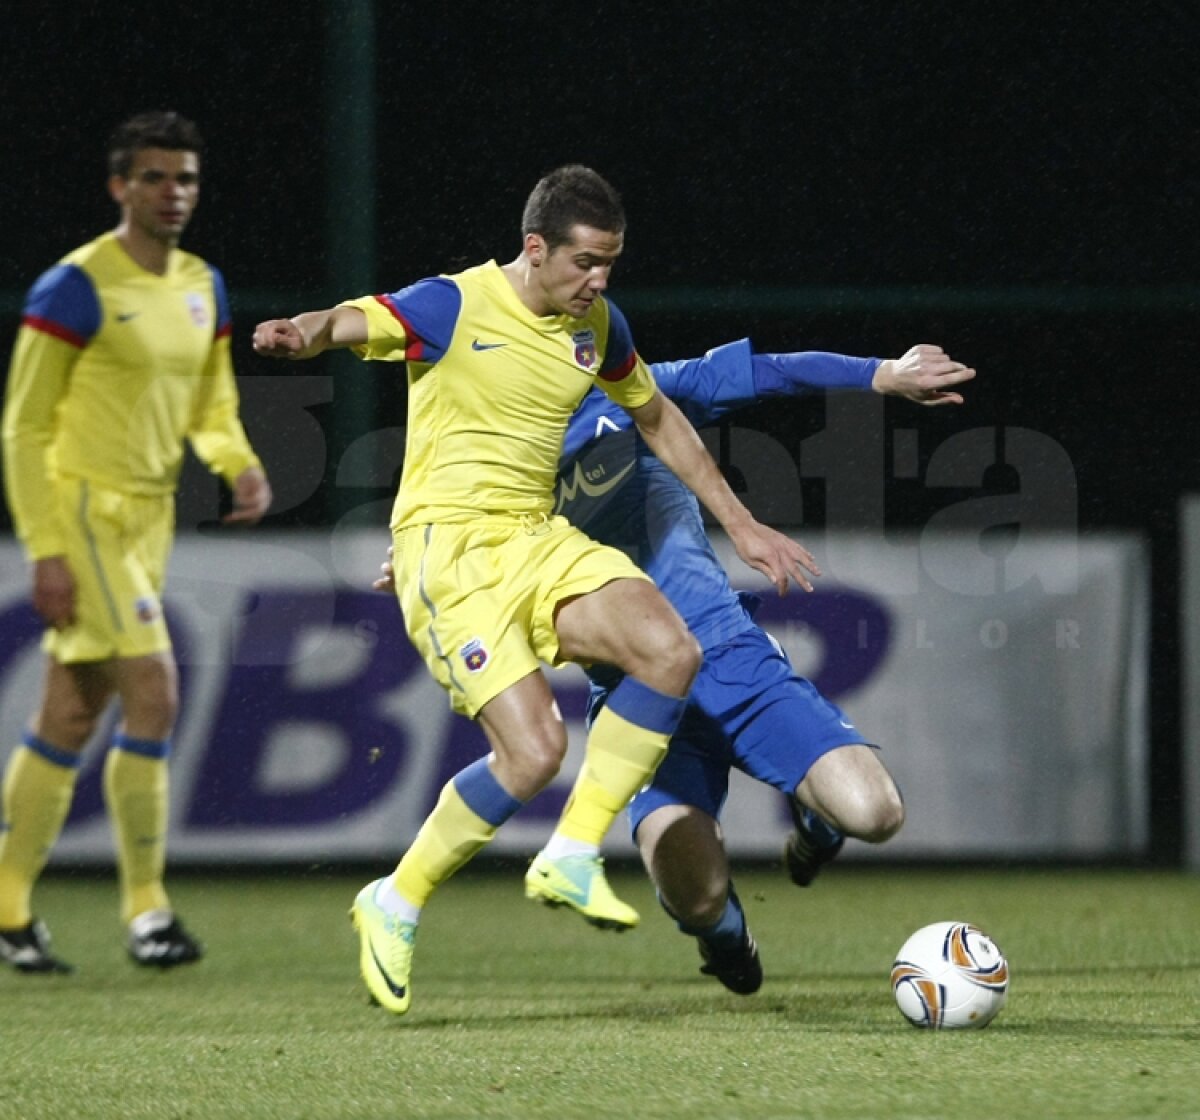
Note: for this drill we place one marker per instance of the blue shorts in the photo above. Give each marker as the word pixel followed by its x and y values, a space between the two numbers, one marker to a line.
pixel 748 709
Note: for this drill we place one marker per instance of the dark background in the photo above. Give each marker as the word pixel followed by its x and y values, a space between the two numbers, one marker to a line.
pixel 1016 182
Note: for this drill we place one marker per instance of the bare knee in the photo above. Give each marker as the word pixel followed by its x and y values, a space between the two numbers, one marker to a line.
pixel 668 658
pixel 74 698
pixel 881 818
pixel 150 713
pixel 528 740
pixel 149 690
pixel 850 788
pixel 543 752
pixel 68 725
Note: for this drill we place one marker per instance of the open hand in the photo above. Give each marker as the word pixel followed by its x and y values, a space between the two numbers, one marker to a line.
pixel 925 374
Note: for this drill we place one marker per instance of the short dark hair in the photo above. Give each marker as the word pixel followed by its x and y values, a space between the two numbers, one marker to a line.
pixel 165 130
pixel 570 196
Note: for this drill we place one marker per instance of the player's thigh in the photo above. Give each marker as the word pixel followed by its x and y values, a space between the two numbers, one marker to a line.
pixel 630 624
pixel 850 787
pixel 74 696
pixel 684 852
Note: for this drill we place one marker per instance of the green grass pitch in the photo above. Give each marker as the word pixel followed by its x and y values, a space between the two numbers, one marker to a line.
pixel 520 1011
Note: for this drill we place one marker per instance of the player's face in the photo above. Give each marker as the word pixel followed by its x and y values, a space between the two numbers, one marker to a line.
pixel 158 195
pixel 575 274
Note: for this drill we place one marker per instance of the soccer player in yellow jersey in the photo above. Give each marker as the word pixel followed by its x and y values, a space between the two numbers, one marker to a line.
pixel 122 355
pixel 491 583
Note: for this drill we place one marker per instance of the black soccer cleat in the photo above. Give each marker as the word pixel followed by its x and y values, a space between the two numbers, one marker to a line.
pixel 28 949
pixel 159 940
pixel 740 969
pixel 803 854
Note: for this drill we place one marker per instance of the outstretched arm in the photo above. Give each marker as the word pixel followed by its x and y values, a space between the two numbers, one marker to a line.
pixel 731 377
pixel 311 333
pixel 669 435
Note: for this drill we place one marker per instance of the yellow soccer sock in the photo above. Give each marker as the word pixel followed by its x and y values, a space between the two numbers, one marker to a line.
pixel 39 783
pixel 135 791
pixel 627 742
pixel 471 807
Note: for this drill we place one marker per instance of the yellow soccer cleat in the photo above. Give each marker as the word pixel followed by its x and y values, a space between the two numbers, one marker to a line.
pixel 578 882
pixel 385 951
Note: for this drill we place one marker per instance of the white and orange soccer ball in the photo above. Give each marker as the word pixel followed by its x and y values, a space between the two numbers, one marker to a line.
pixel 948 976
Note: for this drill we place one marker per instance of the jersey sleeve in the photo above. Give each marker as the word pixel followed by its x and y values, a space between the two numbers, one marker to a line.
pixel 61 314
pixel 780 375
pixel 414 324
pixel 623 375
pixel 733 376
pixel 63 304
pixel 707 388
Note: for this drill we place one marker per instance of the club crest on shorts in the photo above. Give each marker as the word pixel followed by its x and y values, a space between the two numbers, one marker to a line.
pixel 146 608
pixel 585 348
pixel 474 655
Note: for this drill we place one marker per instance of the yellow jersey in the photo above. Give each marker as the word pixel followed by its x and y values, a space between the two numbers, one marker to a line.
pixel 491 389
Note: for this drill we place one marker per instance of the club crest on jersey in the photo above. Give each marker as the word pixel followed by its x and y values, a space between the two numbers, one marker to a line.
pixel 474 655
pixel 198 309
pixel 146 608
pixel 585 348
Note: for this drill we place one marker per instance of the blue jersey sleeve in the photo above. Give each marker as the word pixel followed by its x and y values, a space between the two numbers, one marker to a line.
pixel 63 303
pixel 788 375
pixel 429 310
pixel 707 388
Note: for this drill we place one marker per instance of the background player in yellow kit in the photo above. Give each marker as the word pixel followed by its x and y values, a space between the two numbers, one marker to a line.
pixel 490 582
pixel 122 355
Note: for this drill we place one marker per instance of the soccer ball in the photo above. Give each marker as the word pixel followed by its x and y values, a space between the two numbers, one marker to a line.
pixel 950 975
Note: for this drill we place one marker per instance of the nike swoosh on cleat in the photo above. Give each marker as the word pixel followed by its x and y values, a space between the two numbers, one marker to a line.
pixel 477 345
pixel 568 890
pixel 397 990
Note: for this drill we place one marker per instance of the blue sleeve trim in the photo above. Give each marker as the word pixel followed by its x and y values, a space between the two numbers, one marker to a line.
pixel 643 706
pixel 777 375
pixel 221 299
pixel 51 754
pixel 618 349
pixel 65 297
pixel 429 309
pixel 147 748
pixel 483 795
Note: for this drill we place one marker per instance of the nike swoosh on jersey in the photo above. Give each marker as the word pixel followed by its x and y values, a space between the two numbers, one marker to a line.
pixel 477 345
pixel 127 316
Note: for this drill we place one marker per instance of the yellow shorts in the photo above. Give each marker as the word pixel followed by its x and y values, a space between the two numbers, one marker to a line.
pixel 117 547
pixel 479 599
